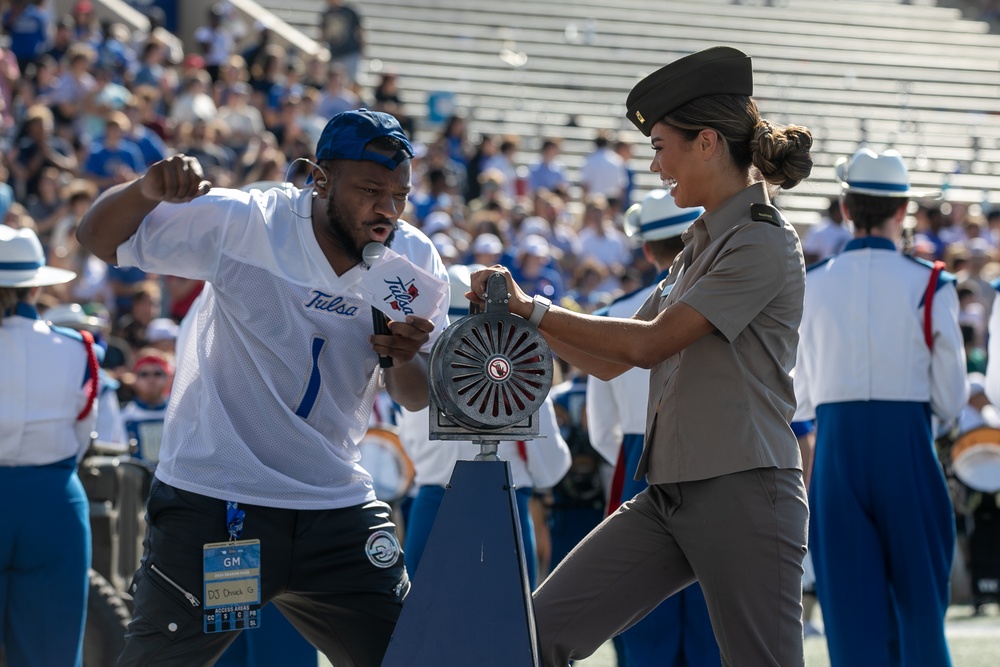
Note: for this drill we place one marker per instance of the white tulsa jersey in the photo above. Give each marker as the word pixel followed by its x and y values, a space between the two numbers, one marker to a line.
pixel 862 333
pixel 618 407
pixel 547 457
pixel 41 393
pixel 276 376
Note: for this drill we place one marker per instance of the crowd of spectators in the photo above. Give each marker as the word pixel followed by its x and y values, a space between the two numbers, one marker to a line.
pixel 86 104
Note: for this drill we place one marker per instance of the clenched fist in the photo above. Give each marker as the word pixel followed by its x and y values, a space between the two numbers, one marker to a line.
pixel 177 179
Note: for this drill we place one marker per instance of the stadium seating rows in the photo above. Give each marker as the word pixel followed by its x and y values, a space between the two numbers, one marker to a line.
pixel 915 77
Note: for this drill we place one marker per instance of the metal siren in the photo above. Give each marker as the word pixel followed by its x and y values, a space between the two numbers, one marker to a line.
pixel 489 374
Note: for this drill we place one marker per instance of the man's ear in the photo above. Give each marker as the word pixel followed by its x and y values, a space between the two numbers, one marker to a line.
pixel 320 179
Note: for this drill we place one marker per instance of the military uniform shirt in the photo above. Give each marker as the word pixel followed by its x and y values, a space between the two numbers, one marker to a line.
pixel 724 403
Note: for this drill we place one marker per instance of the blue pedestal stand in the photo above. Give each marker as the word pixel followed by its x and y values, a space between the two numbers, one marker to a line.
pixel 471 604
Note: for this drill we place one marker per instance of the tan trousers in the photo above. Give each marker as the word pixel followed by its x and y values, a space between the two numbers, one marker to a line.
pixel 742 536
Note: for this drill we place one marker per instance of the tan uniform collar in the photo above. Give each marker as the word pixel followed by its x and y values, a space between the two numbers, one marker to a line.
pixel 734 210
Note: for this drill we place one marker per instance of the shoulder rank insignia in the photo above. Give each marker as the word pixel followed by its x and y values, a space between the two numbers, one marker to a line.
pixel 765 213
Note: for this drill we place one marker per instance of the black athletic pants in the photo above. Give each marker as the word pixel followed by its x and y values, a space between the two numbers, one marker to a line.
pixel 337 575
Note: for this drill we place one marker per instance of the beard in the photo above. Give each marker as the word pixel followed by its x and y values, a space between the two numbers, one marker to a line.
pixel 337 228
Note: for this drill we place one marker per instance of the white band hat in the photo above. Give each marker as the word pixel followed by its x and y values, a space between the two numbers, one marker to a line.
pixel 869 173
pixel 658 217
pixel 22 261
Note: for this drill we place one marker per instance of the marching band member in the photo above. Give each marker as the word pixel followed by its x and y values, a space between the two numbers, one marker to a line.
pixel 48 393
pixel 880 350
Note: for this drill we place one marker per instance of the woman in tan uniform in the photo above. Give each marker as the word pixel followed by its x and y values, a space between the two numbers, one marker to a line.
pixel 726 505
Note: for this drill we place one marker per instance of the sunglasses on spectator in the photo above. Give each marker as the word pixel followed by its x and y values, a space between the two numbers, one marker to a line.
pixel 151 374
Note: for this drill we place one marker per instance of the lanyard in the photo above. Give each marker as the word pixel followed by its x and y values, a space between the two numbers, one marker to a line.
pixel 234 520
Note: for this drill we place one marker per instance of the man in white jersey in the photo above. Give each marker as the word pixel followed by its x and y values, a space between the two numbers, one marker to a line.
pixel 270 400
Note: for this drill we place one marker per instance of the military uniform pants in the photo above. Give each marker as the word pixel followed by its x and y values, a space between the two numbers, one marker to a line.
pixel 678 633
pixel 741 536
pixel 318 567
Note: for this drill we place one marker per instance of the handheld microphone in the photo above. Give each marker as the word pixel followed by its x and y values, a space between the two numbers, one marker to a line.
pixel 369 255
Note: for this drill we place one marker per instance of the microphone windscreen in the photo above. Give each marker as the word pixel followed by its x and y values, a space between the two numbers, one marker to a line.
pixel 371 252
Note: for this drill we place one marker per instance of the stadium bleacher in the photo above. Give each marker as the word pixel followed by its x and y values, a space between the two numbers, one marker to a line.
pixel 916 77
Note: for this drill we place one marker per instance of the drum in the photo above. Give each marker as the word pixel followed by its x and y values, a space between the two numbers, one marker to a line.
pixel 382 455
pixel 975 459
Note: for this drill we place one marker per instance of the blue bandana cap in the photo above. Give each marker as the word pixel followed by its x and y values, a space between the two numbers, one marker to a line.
pixel 347 134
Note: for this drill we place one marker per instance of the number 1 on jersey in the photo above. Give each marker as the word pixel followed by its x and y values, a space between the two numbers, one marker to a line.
pixel 308 401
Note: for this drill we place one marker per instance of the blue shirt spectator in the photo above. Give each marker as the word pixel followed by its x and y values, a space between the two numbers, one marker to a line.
pixel 534 271
pixel 105 161
pixel 27 25
pixel 149 143
pixel 548 172
pixel 115 159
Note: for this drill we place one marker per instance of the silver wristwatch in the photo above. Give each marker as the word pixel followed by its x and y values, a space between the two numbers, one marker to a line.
pixel 541 307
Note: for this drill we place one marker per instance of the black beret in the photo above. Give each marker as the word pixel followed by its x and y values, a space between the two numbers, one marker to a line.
pixel 719 70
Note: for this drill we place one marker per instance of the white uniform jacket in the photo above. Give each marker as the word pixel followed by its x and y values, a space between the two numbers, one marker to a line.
pixel 862 333
pixel 42 391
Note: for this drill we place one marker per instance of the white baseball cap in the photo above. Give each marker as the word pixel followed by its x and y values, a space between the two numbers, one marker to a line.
pixel 536 246
pixel 161 329
pixel 436 221
pixel 487 244
pixel 658 217
pixel 22 261
pixel 445 245
pixel 534 225
pixel 879 175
